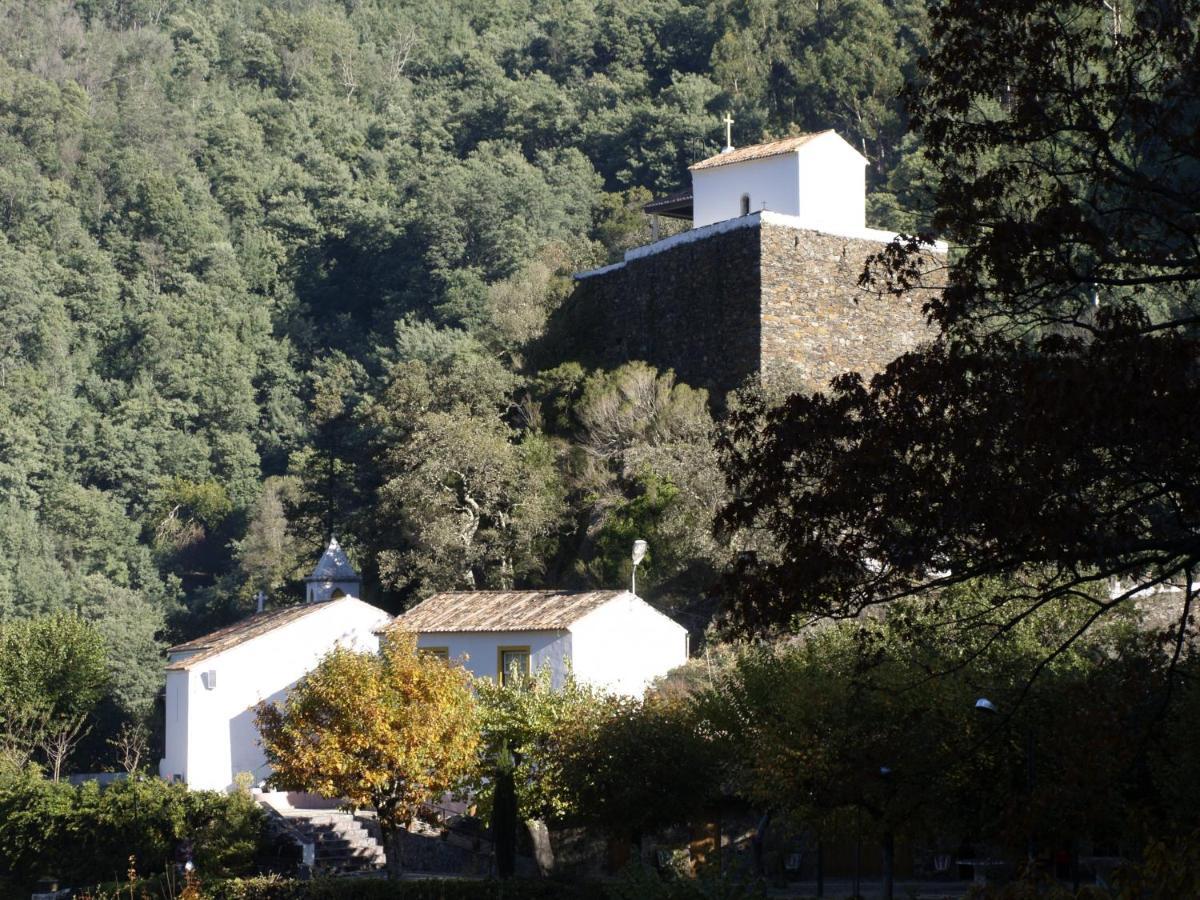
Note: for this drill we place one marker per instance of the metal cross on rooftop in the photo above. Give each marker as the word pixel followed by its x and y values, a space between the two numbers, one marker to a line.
pixel 728 120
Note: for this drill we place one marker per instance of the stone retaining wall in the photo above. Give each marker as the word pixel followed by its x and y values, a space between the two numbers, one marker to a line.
pixel 817 322
pixel 761 300
pixel 692 308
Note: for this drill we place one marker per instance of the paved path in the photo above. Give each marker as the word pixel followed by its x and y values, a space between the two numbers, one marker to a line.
pixel 840 889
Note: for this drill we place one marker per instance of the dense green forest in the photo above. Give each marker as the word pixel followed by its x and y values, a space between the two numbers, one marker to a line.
pixel 267 271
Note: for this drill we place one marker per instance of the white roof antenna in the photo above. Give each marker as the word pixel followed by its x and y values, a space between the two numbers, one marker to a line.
pixel 639 553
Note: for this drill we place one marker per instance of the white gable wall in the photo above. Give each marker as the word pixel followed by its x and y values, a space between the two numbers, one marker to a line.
pixel 210 733
pixel 625 644
pixel 478 651
pixel 833 185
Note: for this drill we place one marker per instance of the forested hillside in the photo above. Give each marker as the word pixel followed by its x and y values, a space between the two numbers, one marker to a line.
pixel 267 270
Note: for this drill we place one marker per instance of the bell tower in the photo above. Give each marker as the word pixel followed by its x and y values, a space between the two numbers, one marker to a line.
pixel 334 577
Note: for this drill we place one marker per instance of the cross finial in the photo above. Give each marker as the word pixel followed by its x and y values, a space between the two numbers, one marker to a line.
pixel 728 120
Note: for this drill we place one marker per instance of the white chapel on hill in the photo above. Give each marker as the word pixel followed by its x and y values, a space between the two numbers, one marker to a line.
pixel 813 181
pixel 611 639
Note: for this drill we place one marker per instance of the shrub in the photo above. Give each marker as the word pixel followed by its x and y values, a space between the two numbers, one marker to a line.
pixel 635 884
pixel 86 834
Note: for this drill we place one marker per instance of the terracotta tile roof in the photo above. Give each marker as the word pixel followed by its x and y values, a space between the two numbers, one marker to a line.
pixel 756 151
pixel 503 610
pixel 247 629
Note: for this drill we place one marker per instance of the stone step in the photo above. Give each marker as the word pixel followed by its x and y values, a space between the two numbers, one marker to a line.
pixel 354 836
pixel 342 842
pixel 343 834
pixel 346 853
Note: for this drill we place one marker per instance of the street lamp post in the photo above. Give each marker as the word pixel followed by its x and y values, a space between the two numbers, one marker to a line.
pixel 889 839
pixel 639 553
pixel 987 707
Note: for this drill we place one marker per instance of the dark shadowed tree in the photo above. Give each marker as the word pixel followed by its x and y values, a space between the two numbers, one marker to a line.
pixel 1047 435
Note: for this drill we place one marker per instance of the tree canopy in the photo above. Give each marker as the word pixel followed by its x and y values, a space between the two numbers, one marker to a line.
pixel 269 271
pixel 1044 436
pixel 392 731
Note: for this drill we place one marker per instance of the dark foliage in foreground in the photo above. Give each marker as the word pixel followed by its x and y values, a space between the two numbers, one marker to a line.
pixel 1048 435
pixel 1072 459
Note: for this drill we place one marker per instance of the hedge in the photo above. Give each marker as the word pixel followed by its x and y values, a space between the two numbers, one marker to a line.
pixel 87 834
pixel 270 888
pixel 635 885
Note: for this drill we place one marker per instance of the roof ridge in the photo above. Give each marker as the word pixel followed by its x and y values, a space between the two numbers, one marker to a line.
pixel 762 150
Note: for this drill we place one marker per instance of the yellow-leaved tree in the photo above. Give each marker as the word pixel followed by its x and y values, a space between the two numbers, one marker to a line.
pixel 392 731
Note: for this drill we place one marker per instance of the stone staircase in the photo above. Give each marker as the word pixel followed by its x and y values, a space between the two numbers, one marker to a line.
pixel 335 842
pixel 332 842
pixel 342 842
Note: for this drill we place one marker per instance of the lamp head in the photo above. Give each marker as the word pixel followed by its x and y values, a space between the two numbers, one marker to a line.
pixel 984 705
pixel 639 551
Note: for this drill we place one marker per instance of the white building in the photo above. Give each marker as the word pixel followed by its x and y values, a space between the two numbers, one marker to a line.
pixel 817 178
pixel 214 682
pixel 812 182
pixel 610 639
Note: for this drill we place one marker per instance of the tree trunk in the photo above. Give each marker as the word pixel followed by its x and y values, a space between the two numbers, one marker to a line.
pixel 543 852
pixel 820 870
pixel 393 848
pixel 758 843
pixel 889 865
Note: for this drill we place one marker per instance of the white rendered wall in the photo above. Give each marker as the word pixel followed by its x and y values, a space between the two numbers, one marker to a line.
pixel 822 183
pixel 625 644
pixel 771 183
pixel 217 738
pixel 174 760
pixel 833 185
pixel 478 651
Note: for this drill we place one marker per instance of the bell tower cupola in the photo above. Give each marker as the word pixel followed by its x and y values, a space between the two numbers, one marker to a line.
pixel 334 577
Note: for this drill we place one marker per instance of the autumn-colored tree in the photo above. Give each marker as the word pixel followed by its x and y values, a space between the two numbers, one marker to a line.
pixel 392 731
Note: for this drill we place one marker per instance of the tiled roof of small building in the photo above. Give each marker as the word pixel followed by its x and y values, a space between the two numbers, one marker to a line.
pixel 502 610
pixel 756 151
pixel 247 629
pixel 333 565
pixel 670 203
